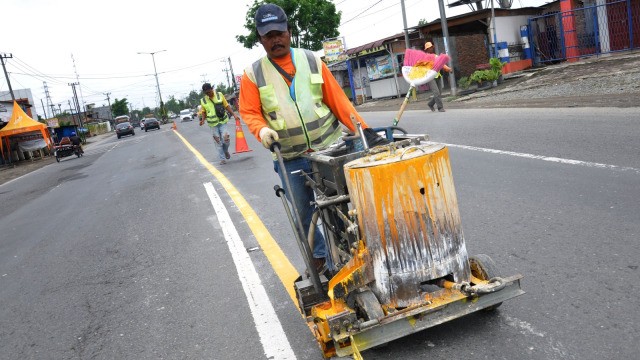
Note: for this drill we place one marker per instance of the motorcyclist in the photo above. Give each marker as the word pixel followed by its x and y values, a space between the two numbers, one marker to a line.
pixel 76 141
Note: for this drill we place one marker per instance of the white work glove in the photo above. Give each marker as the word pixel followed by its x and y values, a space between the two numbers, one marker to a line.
pixel 268 137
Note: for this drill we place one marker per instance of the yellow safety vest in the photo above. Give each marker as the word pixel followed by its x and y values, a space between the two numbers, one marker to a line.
pixel 304 123
pixel 209 107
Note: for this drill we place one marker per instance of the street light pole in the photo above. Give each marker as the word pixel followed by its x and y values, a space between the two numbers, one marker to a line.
pixel 157 82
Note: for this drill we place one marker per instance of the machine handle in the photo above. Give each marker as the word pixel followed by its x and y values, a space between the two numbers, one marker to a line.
pixel 279 191
pixel 275 145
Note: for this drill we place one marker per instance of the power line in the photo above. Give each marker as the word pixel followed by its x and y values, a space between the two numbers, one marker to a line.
pixel 355 17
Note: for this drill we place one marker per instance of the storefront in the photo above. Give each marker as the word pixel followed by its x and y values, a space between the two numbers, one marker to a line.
pixel 376 74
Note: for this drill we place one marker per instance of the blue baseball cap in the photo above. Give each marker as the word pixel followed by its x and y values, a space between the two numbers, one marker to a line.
pixel 270 17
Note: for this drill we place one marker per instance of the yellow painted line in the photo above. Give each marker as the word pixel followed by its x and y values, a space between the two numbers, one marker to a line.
pixel 279 262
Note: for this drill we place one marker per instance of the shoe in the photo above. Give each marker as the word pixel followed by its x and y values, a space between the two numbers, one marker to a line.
pixel 222 162
pixel 227 155
pixel 318 264
pixel 441 110
pixel 432 108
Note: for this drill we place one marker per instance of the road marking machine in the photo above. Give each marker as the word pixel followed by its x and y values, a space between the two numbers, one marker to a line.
pixel 390 217
pixel 392 226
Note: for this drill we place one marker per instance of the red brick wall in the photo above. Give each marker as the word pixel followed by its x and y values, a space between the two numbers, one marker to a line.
pixel 471 51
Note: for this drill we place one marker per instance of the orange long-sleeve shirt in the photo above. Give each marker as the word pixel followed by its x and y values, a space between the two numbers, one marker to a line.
pixel 332 95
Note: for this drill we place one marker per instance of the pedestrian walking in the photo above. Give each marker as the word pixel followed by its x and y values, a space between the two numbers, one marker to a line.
pixel 290 96
pixel 436 98
pixel 215 111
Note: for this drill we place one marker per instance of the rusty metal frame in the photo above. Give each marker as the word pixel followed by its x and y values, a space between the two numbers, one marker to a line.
pixel 430 314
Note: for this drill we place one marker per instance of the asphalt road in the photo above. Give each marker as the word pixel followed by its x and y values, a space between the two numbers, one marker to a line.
pixel 121 254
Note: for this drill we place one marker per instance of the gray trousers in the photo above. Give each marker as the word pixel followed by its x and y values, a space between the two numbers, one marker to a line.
pixel 435 90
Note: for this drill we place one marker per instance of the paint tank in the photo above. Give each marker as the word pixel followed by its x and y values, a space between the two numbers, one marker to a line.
pixel 409 219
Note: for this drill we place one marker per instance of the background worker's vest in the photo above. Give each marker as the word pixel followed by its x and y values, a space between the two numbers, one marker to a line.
pixel 209 106
pixel 302 124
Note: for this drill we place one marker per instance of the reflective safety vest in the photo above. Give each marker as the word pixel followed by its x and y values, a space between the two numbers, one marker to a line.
pixel 304 123
pixel 209 106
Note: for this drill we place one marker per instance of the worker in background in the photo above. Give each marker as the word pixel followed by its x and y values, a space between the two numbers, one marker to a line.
pixel 214 112
pixel 436 98
pixel 290 96
pixel 76 141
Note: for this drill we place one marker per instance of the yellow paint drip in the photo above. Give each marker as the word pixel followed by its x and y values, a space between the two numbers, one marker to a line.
pixel 408 215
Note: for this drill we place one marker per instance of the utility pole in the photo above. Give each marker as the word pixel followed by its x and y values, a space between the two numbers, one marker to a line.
pixel 404 20
pixel 493 25
pixel 2 57
pixel 445 34
pixel 109 101
pixel 233 77
pixel 77 104
pixel 227 73
pixel 44 109
pixel 59 108
pixel 78 81
pixel 162 112
pixel 49 102
pixel 71 111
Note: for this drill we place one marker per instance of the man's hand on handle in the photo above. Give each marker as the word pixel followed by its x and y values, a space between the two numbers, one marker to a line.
pixel 268 136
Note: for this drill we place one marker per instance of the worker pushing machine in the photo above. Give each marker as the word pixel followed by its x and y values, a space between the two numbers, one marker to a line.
pixel 392 237
pixel 291 97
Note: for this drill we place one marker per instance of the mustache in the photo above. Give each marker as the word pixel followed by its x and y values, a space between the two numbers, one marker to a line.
pixel 274 47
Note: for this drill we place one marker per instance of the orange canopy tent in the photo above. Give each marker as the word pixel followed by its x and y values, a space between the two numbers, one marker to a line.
pixel 20 123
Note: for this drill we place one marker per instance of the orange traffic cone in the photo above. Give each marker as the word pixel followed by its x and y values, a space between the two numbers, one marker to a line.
pixel 174 127
pixel 241 142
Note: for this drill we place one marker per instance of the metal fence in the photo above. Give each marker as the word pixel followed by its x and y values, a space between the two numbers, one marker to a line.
pixel 588 31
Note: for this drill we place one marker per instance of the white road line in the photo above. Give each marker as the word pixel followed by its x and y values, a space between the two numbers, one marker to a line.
pixel 541 157
pixel 274 340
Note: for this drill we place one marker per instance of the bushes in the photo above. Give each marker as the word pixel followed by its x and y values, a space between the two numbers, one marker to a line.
pixel 490 75
pixel 464 83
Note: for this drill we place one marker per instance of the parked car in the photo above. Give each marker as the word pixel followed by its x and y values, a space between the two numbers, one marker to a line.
pixel 151 123
pixel 185 115
pixel 123 129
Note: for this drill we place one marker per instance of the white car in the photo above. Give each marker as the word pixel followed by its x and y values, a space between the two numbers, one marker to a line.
pixel 186 115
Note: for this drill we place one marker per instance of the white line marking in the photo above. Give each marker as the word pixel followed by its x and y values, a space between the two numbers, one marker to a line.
pixel 541 157
pixel 274 340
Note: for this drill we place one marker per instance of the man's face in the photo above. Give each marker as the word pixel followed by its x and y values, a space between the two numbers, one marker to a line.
pixel 276 43
pixel 209 92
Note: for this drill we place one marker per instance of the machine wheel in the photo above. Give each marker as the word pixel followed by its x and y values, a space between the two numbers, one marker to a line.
pixel 368 305
pixel 484 268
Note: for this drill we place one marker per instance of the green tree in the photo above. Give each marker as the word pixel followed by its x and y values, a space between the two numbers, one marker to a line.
pixel 173 105
pixel 224 89
pixel 193 98
pixel 120 107
pixel 311 21
pixel 422 22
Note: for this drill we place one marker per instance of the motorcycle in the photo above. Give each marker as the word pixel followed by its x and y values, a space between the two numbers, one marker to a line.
pixel 77 150
pixel 65 149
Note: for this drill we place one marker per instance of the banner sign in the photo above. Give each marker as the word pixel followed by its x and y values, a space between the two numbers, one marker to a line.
pixel 53 123
pixel 379 67
pixel 334 50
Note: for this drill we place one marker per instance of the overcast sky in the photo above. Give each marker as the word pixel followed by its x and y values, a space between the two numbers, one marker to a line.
pixel 105 38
